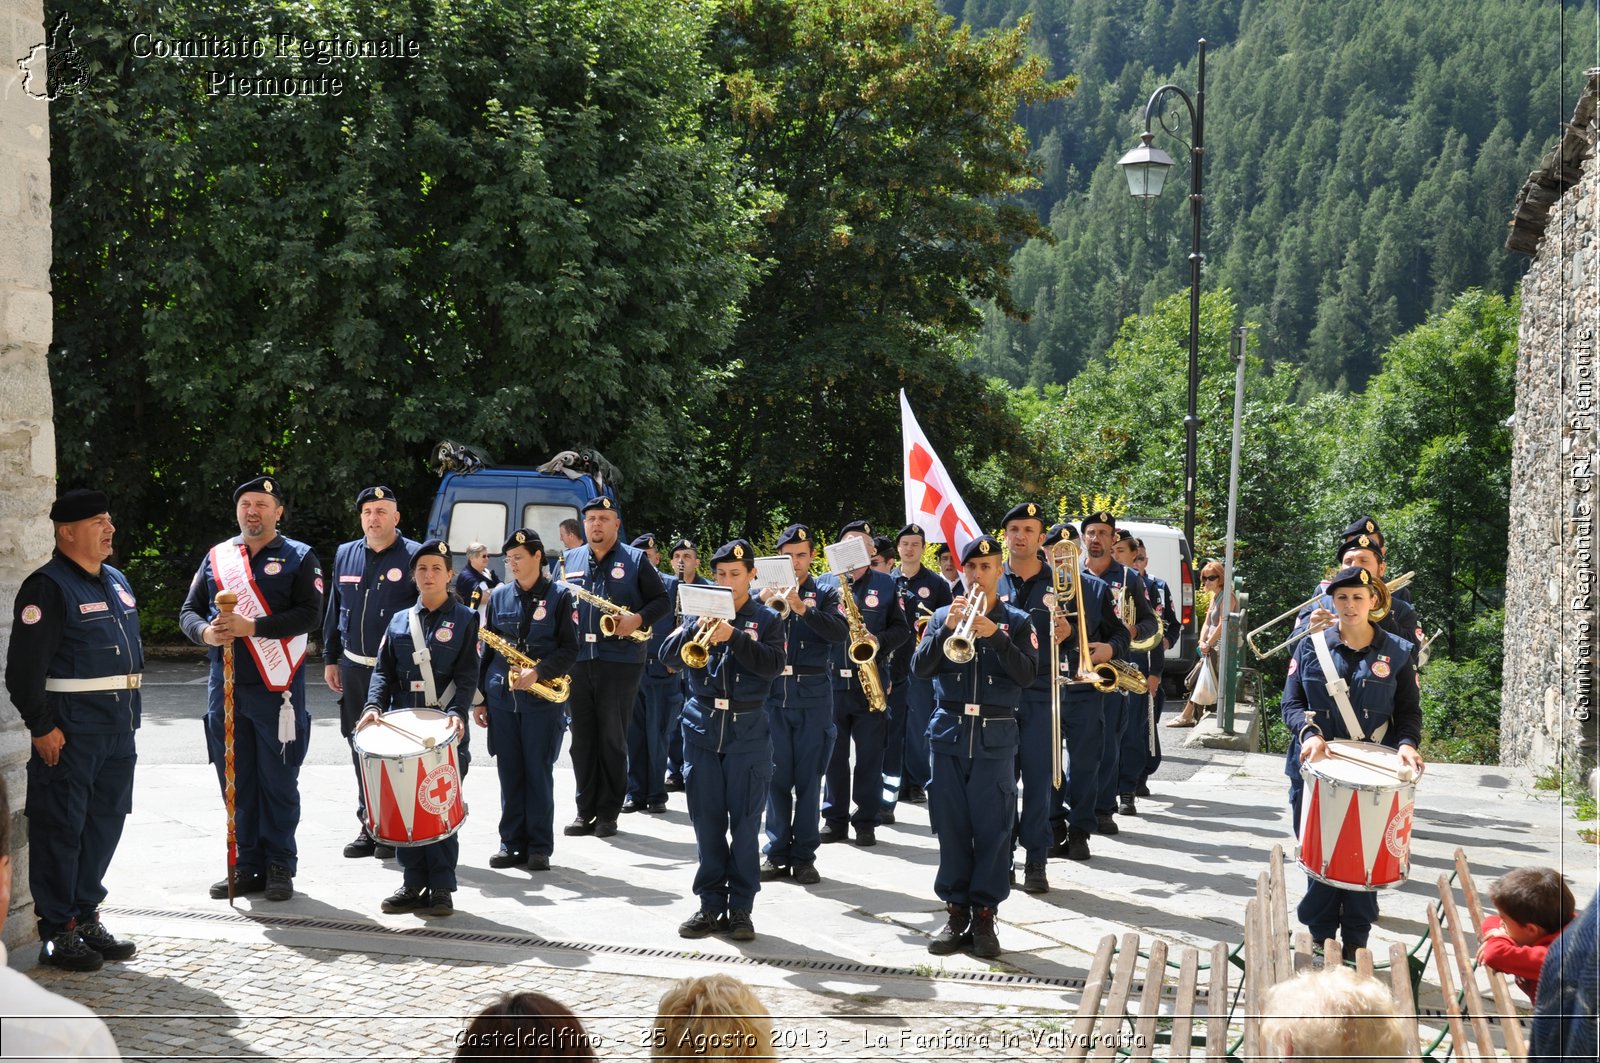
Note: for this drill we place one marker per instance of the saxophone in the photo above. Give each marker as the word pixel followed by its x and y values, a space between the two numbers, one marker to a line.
pixel 863 648
pixel 557 689
pixel 1129 613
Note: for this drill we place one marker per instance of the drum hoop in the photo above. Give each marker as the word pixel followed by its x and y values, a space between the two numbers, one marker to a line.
pixel 450 741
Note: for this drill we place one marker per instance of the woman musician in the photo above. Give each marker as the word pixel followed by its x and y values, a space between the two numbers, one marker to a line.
pixel 449 631
pixel 1385 704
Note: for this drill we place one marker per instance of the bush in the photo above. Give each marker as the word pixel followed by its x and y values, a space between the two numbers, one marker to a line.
pixel 1461 712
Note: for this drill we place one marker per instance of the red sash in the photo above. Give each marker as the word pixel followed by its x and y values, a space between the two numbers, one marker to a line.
pixel 276 659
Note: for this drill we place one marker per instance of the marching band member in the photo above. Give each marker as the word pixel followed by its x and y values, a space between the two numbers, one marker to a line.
pixel 370 585
pixel 920 591
pixel 1099 532
pixel 973 735
pixel 685 559
pixel 727 747
pixel 428 659
pixel 655 710
pixel 1139 755
pixel 1160 601
pixel 606 679
pixel 800 715
pixel 1365 551
pixel 856 725
pixel 279 584
pixel 948 569
pixel 1027 584
pixel 1382 704
pixel 536 616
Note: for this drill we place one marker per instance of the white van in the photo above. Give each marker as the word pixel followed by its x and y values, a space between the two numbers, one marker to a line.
pixel 1172 561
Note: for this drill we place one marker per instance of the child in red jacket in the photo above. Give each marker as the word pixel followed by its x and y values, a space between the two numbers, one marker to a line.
pixel 1534 906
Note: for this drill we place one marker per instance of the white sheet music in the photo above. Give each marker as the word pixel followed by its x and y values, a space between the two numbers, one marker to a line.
pixel 776 573
pixel 704 599
pixel 847 556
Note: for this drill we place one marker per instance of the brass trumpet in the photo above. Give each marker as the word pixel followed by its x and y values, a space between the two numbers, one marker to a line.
pixel 611 613
pixel 779 602
pixel 960 646
pixel 1383 590
pixel 697 651
pixel 558 689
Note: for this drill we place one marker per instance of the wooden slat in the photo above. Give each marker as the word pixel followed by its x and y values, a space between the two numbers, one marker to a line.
pixel 1469 981
pixel 1332 953
pixel 1280 919
pixel 1470 892
pixel 1364 963
pixel 1303 946
pixel 1447 986
pixel 1255 971
pixel 1400 985
pixel 1217 1018
pixel 1105 1047
pixel 1516 1039
pixel 1089 1005
pixel 1144 1030
pixel 1183 1007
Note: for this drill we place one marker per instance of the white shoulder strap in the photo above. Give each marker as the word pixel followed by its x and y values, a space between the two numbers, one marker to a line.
pixel 422 656
pixel 1337 687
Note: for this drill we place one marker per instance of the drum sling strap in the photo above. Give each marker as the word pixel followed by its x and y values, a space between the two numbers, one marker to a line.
pixel 423 658
pixel 1340 691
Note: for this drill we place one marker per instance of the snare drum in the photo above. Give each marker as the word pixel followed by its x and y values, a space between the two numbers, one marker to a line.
pixel 1355 823
pixel 413 793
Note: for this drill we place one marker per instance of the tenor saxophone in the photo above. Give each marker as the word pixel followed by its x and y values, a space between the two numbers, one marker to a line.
pixel 863 650
pixel 558 689
pixel 610 613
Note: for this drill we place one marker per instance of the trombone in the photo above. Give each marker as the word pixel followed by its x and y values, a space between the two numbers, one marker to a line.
pixel 1384 591
pixel 960 646
pixel 697 651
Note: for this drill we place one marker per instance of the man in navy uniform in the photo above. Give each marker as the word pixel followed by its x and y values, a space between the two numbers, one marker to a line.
pixel 855 723
pixel 972 802
pixel 428 659
pixel 1139 754
pixel 1365 551
pixel 1161 601
pixel 371 584
pixel 800 714
pixel 279 584
pixel 685 560
pixel 658 705
pixel 605 681
pixel 539 618
pixel 1099 533
pixel 73 671
pixel 905 761
pixel 727 748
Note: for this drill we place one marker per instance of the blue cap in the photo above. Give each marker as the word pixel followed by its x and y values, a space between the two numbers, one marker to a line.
pixel 738 550
pixel 526 538
pixel 982 546
pixel 1026 511
pixel 854 526
pixel 647 541
pixel 267 485
pixel 79 504
pixel 1098 517
pixel 375 493
pixel 794 533
pixel 431 548
pixel 600 502
pixel 1353 576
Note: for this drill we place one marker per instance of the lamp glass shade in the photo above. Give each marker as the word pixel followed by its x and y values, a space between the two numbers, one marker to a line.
pixel 1146 169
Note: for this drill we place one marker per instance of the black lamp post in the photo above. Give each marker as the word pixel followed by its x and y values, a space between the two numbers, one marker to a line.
pixel 1146 168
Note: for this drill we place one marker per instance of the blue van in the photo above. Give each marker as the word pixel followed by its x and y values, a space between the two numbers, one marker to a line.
pixel 481 502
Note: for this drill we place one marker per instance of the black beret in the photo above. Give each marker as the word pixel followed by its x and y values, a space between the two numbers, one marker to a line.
pixel 1353 576
pixel 857 526
pixel 1361 524
pixel 910 529
pixel 982 546
pixel 940 549
pixel 1026 511
pixel 794 533
pixel 1359 541
pixel 647 541
pixel 682 544
pixel 600 502
pixel 1065 529
pixel 376 493
pixel 267 485
pixel 882 545
pixel 526 538
pixel 736 550
pixel 1098 517
pixel 80 503
pixel 431 548
pixel 1123 534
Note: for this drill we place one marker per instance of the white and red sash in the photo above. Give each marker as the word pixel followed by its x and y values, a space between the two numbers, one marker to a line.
pixel 276 659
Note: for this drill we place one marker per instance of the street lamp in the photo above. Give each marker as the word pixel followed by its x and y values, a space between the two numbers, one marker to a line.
pixel 1146 168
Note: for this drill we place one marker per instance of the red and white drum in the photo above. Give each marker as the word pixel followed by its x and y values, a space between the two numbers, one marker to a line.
pixel 1355 818
pixel 412 787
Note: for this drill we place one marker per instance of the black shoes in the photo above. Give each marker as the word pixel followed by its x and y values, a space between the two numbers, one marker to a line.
pixel 68 951
pixel 538 863
pixel 630 805
pixel 806 874
pixel 1125 806
pixel 771 872
pixel 657 807
pixel 244 883
pixel 508 858
pixel 1077 845
pixel 985 945
pixel 674 784
pixel 740 927
pixel 1105 823
pixel 441 901
pixel 1034 879
pixel 578 828
pixel 1142 791
pixel 866 837
pixel 914 794
pixel 885 818
pixel 605 828
pixel 831 834
pixel 280 884
pixel 956 934
pixel 406 899
pixel 699 925
pixel 96 936
pixel 364 845
pixel 382 851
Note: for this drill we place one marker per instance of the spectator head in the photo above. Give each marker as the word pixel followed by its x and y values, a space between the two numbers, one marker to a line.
pixel 1533 902
pixel 524 1026
pixel 714 1017
pixel 571 533
pixel 1330 1015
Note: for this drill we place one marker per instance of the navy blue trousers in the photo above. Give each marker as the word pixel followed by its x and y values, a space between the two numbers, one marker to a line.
pixel 660 701
pixel 894 744
pixel 434 866
pixel 76 810
pixel 1083 724
pixel 675 731
pixel 1033 767
pixel 972 805
pixel 356 679
pixel 726 793
pixel 801 744
pixel 1329 911
pixel 525 746
pixel 266 772
pixel 855 726
pixel 1115 707
pixel 1138 760
pixel 918 764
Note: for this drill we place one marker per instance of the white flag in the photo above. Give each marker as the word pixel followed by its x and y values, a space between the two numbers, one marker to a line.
pixel 931 499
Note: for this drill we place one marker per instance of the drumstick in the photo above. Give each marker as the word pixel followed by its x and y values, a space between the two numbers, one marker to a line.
pixel 1403 773
pixel 425 743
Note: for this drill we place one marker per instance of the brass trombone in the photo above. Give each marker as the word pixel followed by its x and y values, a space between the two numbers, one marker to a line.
pixel 1114 674
pixel 1384 590
pixel 960 646
pixel 697 651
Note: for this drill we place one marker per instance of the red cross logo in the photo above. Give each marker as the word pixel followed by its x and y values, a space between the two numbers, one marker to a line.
pixel 442 788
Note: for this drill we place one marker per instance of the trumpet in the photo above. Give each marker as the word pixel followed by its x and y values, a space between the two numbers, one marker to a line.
pixel 558 689
pixel 1384 591
pixel 611 612
pixel 779 602
pixel 697 651
pixel 960 647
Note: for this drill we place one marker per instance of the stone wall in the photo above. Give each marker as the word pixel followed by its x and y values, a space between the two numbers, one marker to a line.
pixel 1548 699
pixel 27 438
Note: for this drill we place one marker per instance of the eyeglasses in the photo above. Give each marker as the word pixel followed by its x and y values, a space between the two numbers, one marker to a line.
pixel 1210 579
